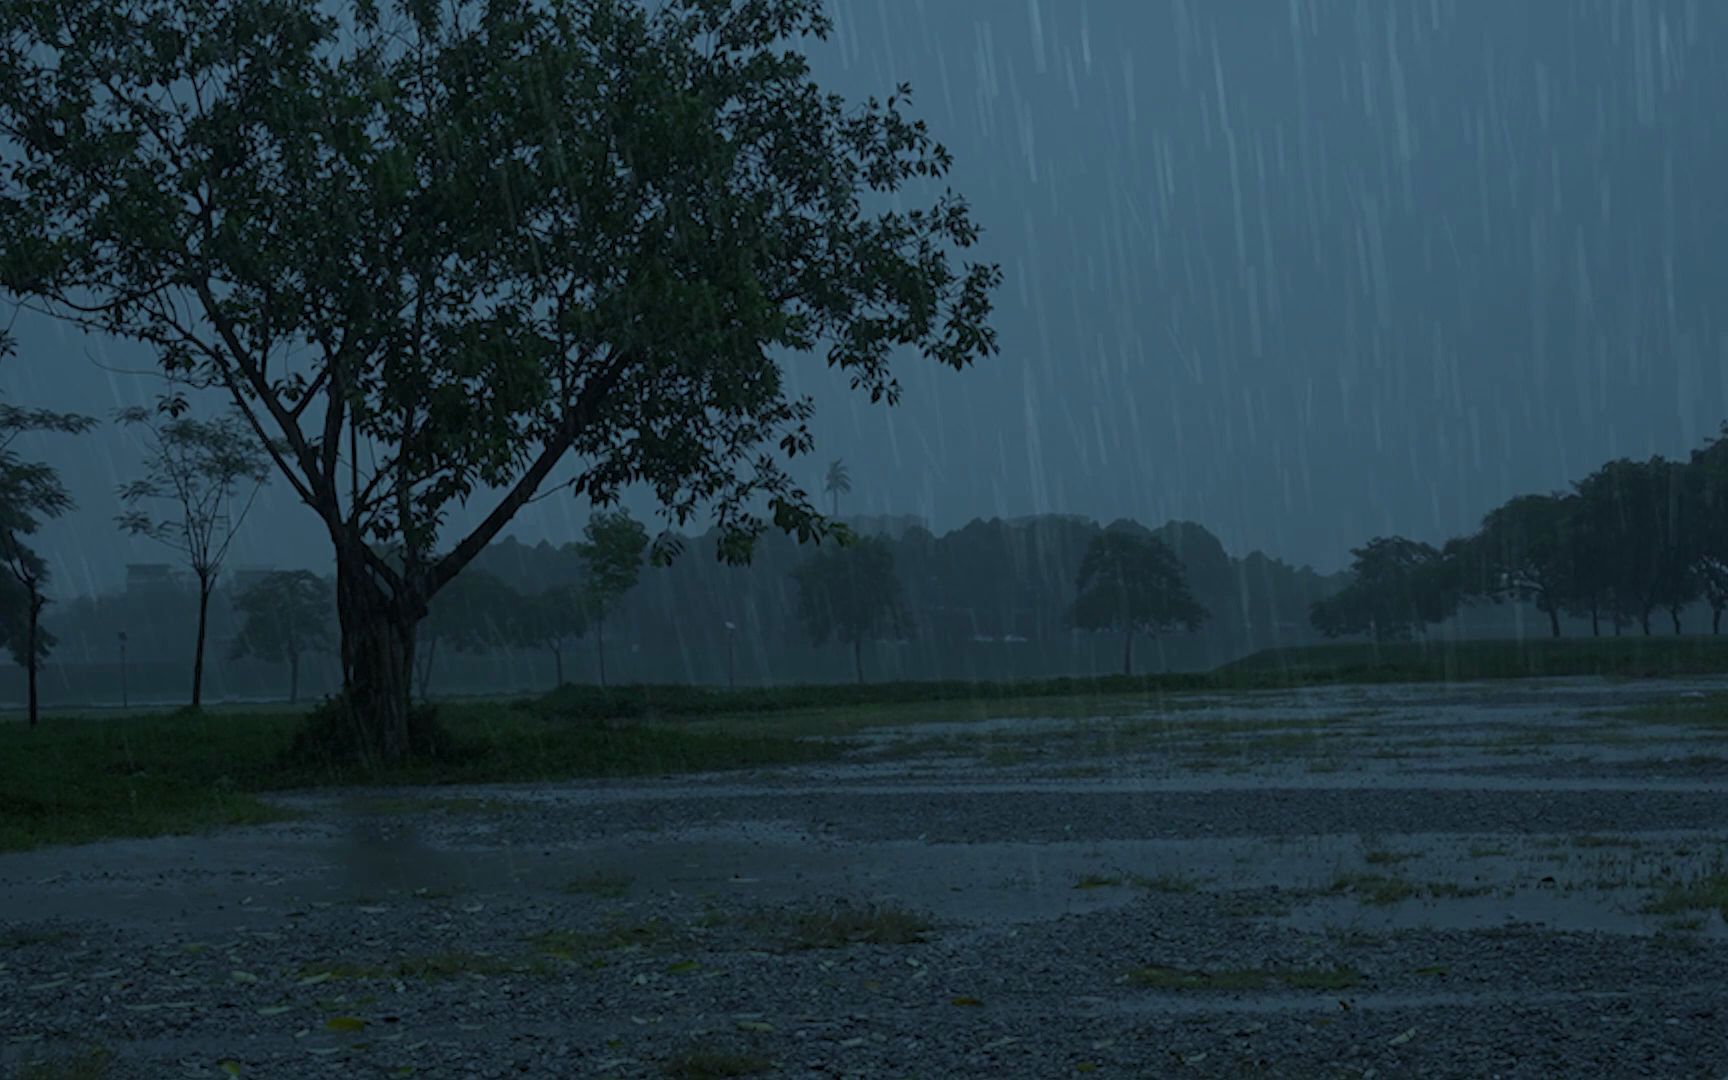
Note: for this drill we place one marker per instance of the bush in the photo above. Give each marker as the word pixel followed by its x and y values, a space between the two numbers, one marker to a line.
pixel 332 739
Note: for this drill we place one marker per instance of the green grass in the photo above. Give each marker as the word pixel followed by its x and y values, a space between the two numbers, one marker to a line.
pixel 20 938
pixel 76 780
pixel 1164 883
pixel 1097 881
pixel 1461 661
pixel 1381 857
pixel 1164 978
pixel 610 886
pixel 1383 891
pixel 1706 892
pixel 88 1065
pixel 701 1064
pixel 847 925
pixel 449 965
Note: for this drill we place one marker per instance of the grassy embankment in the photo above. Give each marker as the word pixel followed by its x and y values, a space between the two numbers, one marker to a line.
pixel 76 778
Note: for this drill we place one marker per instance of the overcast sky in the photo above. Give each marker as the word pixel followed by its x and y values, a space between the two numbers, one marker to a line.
pixel 1303 272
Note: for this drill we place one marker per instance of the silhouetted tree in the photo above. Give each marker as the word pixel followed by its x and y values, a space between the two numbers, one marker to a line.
pixel 1707 490
pixel 838 482
pixel 1397 585
pixel 851 592
pixel 492 237
pixel 1527 554
pixel 196 468
pixel 1131 582
pixel 548 620
pixel 613 552
pixel 287 614
pixel 30 491
pixel 472 614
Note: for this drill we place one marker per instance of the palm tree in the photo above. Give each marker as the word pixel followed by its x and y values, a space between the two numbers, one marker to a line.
pixel 837 483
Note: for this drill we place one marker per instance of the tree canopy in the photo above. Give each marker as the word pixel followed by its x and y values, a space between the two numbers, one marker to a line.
pixel 474 241
pixel 851 593
pixel 1130 581
pixel 1398 586
pixel 30 493
pixel 286 614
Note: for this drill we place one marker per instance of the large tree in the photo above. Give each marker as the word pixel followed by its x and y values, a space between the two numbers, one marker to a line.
pixel 473 614
pixel 1525 548
pixel 851 593
pixel 1397 586
pixel 1131 581
pixel 30 491
pixel 286 614
pixel 1633 520
pixel 194 473
pixel 611 550
pixel 434 248
pixel 548 620
pixel 1707 490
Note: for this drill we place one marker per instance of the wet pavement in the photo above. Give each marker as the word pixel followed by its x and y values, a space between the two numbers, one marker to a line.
pixel 1536 816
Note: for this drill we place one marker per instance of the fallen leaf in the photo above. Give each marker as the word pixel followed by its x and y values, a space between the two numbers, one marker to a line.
pixel 964 1000
pixel 230 1066
pixel 243 976
pixel 314 980
pixel 1086 1066
pixel 755 1025
pixel 1401 1039
pixel 1435 970
pixel 684 967
pixel 274 1010
pixel 345 1023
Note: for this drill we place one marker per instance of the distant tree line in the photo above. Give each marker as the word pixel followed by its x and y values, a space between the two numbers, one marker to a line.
pixel 1630 543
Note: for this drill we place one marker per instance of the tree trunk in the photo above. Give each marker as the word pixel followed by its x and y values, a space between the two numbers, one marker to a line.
pixel 377 659
pixel 1595 619
pixel 558 662
pixel 204 586
pixel 1644 621
pixel 1715 620
pixel 1128 653
pixel 1674 613
pixel 858 659
pixel 1554 621
pixel 600 648
pixel 293 678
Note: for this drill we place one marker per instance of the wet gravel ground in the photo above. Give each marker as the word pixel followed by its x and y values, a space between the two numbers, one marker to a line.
pixel 631 929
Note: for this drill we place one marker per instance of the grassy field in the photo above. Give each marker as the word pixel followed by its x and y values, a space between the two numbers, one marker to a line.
pixel 1465 661
pixel 79 778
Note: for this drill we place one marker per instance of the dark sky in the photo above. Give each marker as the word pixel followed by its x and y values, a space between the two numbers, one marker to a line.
pixel 1303 272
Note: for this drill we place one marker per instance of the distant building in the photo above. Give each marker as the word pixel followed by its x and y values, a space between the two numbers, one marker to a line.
pixel 247 576
pixel 153 579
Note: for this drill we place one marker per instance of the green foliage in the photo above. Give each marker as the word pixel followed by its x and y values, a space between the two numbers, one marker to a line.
pixel 1397 586
pixel 851 593
pixel 30 491
pixel 1131 581
pixel 1527 552
pixel 549 618
pixel 286 614
pixel 613 553
pixel 514 233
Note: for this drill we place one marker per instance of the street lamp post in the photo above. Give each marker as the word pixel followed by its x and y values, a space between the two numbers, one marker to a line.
pixel 731 669
pixel 124 703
